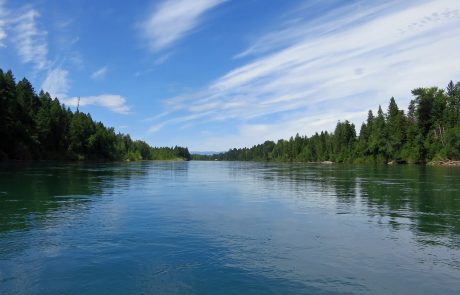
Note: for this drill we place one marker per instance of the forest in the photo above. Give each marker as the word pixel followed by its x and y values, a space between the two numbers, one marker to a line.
pixel 428 131
pixel 38 127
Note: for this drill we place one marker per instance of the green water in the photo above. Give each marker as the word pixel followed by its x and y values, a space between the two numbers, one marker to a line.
pixel 228 228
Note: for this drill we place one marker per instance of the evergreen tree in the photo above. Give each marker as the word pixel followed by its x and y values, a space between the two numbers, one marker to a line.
pixel 39 127
pixel 429 131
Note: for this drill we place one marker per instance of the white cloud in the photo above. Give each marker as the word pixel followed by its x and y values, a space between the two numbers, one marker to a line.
pixel 173 19
pixel 113 102
pixel 182 119
pixel 251 134
pixel 99 74
pixel 30 40
pixel 342 65
pixel 297 28
pixel 156 127
pixel 162 59
pixel 32 47
pixel 3 16
pixel 56 83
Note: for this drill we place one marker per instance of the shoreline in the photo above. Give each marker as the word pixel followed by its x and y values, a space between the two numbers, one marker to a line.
pixel 440 163
pixel 445 163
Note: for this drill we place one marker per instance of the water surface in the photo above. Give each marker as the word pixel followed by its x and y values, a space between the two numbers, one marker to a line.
pixel 228 228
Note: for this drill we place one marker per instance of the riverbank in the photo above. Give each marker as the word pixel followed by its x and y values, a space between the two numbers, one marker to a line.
pixel 445 163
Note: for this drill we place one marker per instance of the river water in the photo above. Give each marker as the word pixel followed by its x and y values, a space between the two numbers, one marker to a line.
pixel 228 228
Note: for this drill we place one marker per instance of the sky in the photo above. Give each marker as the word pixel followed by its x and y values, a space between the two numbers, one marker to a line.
pixel 217 74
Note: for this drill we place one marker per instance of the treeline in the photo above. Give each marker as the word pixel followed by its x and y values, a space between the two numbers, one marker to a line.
pixel 38 127
pixel 429 131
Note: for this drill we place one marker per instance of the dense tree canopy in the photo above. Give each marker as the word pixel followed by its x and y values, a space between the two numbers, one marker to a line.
pixel 429 131
pixel 38 127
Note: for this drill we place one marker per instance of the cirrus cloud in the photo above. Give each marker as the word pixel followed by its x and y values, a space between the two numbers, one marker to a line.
pixel 173 19
pixel 3 15
pixel 99 74
pixel 56 83
pixel 31 41
pixel 343 64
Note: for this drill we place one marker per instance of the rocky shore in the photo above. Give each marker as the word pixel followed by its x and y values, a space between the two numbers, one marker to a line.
pixel 447 163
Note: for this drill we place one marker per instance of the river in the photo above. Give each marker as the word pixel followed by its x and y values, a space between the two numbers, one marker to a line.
pixel 228 228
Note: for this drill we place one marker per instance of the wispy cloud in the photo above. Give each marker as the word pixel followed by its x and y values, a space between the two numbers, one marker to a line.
pixel 3 16
pixel 250 134
pixel 344 63
pixel 296 28
pixel 99 74
pixel 31 44
pixel 30 40
pixel 173 19
pixel 56 83
pixel 181 119
pixel 163 58
pixel 115 103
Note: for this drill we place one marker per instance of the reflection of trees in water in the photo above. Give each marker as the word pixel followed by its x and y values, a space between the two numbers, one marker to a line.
pixel 425 199
pixel 171 170
pixel 38 197
pixel 426 196
pixel 29 193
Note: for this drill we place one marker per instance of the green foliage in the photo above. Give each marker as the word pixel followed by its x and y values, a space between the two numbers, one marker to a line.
pixel 453 143
pixel 429 131
pixel 37 127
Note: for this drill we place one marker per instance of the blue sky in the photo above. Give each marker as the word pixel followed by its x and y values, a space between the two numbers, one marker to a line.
pixel 215 74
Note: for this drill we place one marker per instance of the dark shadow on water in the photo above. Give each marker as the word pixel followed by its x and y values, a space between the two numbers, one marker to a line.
pixel 29 193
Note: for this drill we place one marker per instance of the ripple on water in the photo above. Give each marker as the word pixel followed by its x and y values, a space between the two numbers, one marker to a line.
pixel 229 227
